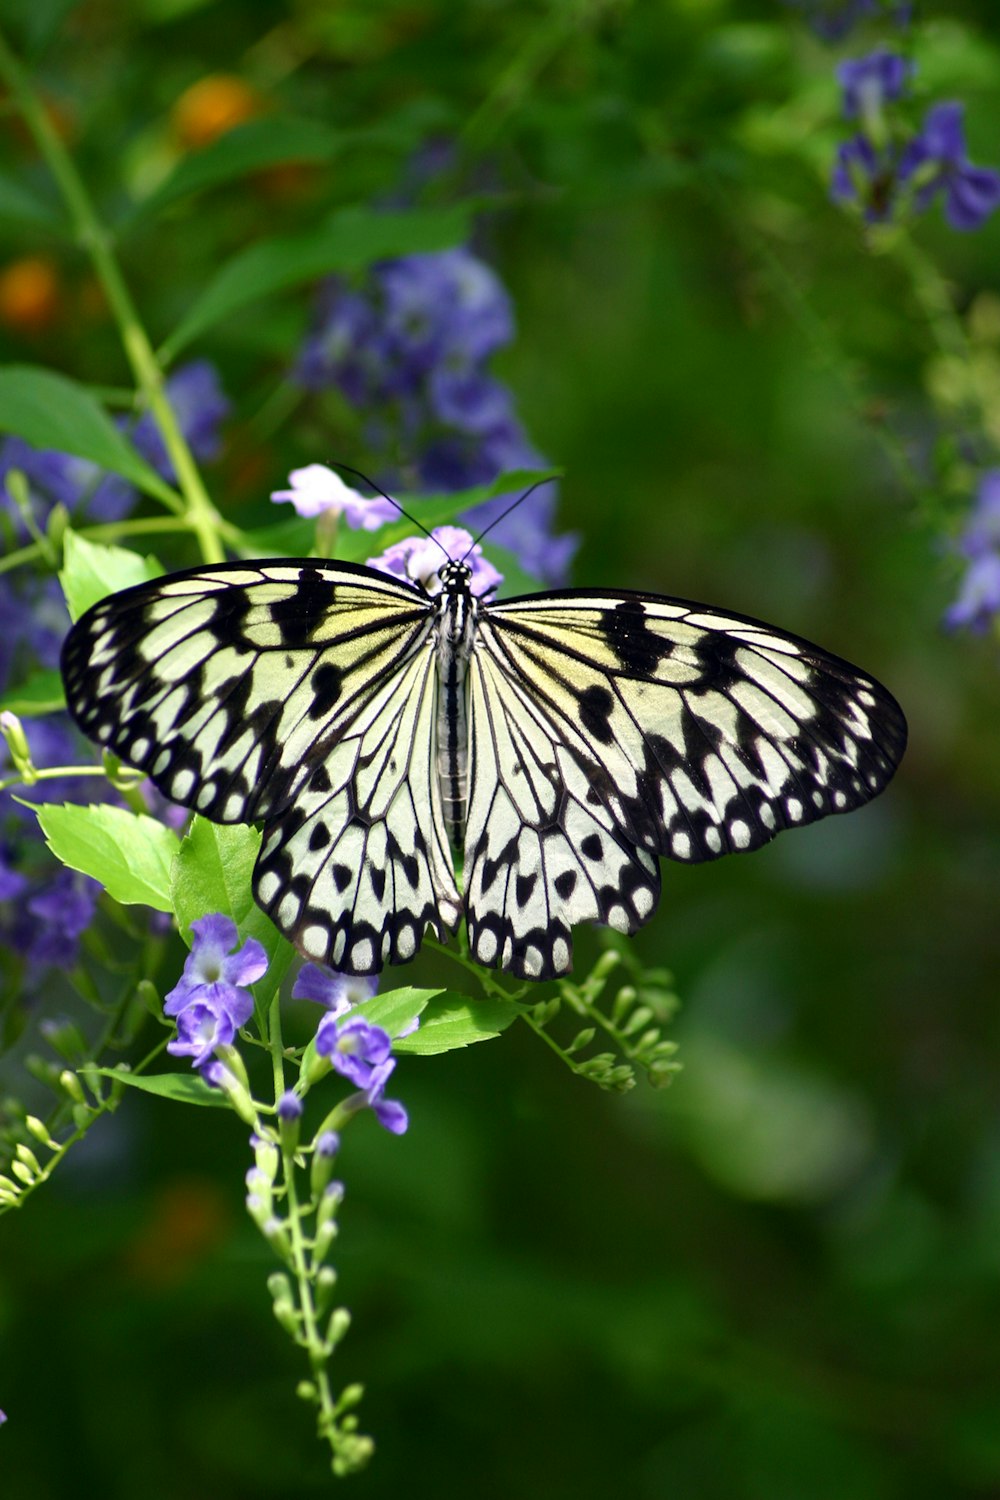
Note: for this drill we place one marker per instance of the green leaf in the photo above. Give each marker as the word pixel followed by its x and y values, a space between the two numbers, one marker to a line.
pixel 212 873
pixel 248 148
pixel 51 411
pixel 129 853
pixel 186 1088
pixel 91 571
pixel 396 1008
pixel 41 694
pixel 350 239
pixel 451 1021
pixel 19 206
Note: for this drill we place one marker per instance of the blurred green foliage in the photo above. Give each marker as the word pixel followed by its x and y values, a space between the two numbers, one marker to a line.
pixel 779 1279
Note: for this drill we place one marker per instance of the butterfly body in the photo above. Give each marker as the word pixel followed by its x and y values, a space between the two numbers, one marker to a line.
pixel 556 745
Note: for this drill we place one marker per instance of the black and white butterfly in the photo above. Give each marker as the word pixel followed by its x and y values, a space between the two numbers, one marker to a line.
pixel 553 745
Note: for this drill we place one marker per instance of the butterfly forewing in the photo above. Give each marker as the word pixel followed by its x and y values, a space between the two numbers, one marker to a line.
pixel 226 685
pixel 700 733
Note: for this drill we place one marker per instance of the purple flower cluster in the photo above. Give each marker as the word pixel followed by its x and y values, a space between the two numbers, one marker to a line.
pixel 978 602
pixel 833 19
pixel 210 1002
pixel 410 350
pixel 42 917
pixel 886 170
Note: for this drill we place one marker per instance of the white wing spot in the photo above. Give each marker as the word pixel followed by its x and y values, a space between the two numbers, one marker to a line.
pixel 362 954
pixel 713 840
pixel 560 955
pixel 681 845
pixel 314 940
pixel 486 948
pixel 267 889
pixel 739 832
pixel 406 943
pixel 767 815
pixel 794 809
pixel 181 785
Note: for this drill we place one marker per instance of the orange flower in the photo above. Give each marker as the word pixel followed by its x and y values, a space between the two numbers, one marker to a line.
pixel 211 107
pixel 29 294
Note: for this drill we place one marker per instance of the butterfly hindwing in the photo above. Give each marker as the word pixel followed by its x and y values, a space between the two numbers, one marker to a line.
pixel 358 866
pixel 541 855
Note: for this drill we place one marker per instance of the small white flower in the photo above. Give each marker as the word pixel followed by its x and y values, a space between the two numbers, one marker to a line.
pixel 317 490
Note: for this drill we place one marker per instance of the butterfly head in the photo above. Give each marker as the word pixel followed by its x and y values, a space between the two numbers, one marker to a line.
pixel 455 577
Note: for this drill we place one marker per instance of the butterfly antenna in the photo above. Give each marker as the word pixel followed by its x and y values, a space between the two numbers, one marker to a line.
pixel 393 501
pixel 505 513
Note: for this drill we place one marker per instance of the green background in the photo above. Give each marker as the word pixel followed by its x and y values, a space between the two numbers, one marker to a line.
pixel 780 1278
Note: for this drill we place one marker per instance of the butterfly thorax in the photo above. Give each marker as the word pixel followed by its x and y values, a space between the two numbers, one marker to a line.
pixel 454 629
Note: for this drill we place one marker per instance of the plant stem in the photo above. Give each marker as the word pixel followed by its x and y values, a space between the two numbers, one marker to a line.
pixel 92 236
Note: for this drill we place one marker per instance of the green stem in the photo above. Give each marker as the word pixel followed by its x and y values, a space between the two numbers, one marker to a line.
pixel 95 241
pixel 311 1337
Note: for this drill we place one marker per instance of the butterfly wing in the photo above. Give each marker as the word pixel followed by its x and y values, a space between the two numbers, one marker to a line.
pixel 677 729
pixel 540 853
pixel 263 691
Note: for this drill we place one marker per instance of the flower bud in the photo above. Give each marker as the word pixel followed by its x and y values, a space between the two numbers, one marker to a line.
pixel 266 1157
pixel 289 1115
pixel 72 1086
pixel 325 1149
pixel 39 1131
pixel 13 732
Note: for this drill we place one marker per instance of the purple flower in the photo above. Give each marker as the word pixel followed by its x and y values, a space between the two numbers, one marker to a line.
pixel 362 1053
pixel 833 19
pixel 389 1112
pixel 209 1001
pixel 864 175
pixel 317 490
pixel 339 993
pixel 63 909
pixel 871 82
pixel 936 161
pixel 354 1048
pixel 978 601
pixel 289 1107
pixel 419 560
pixel 982 531
pixel 346 349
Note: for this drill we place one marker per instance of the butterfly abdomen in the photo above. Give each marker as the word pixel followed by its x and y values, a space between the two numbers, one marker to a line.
pixel 455 628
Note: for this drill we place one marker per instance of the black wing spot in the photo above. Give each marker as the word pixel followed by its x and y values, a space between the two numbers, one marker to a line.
pixel 565 884
pixel 320 780
pixel 327 685
pixel 298 616
pixel 523 887
pixel 342 877
pixel 596 704
pixel 626 630
pixel 591 847
pixel 319 838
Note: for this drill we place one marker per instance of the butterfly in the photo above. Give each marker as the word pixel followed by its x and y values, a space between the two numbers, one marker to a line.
pixel 550 746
